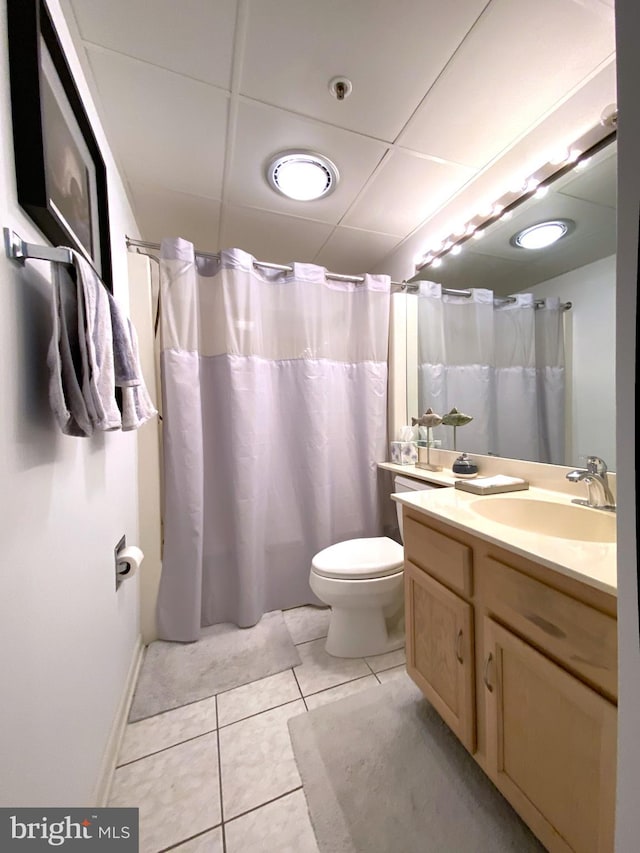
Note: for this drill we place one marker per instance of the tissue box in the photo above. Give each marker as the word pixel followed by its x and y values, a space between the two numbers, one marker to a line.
pixel 404 452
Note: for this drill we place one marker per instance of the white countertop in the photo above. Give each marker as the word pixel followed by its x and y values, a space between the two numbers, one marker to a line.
pixel 593 563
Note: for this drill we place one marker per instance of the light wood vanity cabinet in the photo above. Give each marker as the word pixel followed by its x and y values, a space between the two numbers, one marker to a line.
pixel 520 661
pixel 440 650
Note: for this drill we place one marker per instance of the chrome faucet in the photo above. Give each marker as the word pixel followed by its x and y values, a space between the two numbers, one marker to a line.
pixel 599 494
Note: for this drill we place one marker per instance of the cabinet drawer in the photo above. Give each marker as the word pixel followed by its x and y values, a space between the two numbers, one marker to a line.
pixel 582 639
pixel 446 559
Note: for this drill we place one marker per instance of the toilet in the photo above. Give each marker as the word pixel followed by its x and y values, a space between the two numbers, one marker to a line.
pixel 362 581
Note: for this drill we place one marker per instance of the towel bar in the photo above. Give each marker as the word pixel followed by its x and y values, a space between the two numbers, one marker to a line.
pixel 17 250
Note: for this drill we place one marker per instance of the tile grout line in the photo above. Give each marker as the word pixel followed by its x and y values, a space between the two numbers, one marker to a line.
pixel 264 711
pixel 165 748
pixel 306 707
pixel 224 835
pixel 257 713
pixel 267 803
pixel 183 705
pixel 190 838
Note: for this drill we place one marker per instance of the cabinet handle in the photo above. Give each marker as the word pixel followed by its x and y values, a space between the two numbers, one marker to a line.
pixel 485 677
pixel 459 646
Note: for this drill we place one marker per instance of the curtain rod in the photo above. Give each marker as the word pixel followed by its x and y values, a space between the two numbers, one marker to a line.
pixel 406 286
pixel 18 250
pixel 334 276
pixel 539 303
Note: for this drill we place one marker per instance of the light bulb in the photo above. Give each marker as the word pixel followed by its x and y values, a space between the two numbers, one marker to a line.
pixel 582 164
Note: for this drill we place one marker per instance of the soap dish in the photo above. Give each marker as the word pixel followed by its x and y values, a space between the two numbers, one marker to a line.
pixel 492 485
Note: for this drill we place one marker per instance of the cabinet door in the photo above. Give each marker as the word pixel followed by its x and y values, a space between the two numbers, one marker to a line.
pixel 551 745
pixel 439 646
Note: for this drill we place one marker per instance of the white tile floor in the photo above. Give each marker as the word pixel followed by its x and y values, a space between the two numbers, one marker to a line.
pixel 219 775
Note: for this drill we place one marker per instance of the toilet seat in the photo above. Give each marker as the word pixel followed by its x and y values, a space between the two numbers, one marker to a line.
pixel 360 559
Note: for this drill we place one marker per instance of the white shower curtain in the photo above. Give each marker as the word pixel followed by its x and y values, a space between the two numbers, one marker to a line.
pixel 502 364
pixel 274 407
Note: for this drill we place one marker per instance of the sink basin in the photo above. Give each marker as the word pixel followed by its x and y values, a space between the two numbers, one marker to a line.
pixel 565 521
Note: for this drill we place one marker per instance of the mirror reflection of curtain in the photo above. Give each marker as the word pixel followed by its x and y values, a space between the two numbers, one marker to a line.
pixel 502 363
pixel 274 407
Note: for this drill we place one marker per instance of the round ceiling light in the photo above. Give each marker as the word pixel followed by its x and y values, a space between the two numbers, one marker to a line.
pixel 543 234
pixel 302 175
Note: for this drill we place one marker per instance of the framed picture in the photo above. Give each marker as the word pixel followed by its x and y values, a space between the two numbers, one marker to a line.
pixel 61 176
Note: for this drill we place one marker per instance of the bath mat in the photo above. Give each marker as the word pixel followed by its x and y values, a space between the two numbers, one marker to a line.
pixel 174 674
pixel 382 772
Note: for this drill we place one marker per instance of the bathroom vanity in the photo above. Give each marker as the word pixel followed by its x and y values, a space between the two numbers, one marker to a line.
pixel 511 634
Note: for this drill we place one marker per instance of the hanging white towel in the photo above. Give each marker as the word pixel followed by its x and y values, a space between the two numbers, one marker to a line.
pixel 65 357
pixel 137 406
pixel 98 385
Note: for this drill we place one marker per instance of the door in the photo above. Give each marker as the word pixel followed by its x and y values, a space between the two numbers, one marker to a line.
pixel 439 646
pixel 551 745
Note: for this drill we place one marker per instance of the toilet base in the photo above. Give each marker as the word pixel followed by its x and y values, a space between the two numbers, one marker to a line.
pixel 357 633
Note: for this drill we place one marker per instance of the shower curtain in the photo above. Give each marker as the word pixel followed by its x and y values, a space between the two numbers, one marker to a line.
pixel 501 363
pixel 274 407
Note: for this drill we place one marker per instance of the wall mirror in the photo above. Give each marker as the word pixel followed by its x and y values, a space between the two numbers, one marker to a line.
pixel 580 270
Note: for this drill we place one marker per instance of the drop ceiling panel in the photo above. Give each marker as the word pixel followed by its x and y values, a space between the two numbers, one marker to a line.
pixel 404 191
pixel 164 213
pixel 489 271
pixel 192 37
pixel 272 237
pixel 263 131
pixel 166 129
pixel 589 218
pixel 598 184
pixel 354 252
pixel 392 53
pixel 513 68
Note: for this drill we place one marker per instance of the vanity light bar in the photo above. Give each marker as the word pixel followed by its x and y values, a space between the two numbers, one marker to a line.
pixel 537 184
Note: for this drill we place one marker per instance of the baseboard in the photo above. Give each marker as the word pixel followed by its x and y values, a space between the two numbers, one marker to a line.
pixel 116 734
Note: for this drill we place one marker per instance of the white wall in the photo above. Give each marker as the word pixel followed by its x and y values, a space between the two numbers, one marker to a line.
pixel 67 638
pixel 590 325
pixel 142 315
pixel 628 813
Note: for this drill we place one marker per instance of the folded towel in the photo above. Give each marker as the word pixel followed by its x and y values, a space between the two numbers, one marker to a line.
pixel 125 362
pixel 98 386
pixel 64 358
pixel 137 406
pixel 93 349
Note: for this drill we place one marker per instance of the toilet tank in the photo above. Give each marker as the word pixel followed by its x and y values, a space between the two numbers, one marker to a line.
pixel 407 484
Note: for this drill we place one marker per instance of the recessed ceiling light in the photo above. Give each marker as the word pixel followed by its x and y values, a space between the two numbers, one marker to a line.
pixel 302 175
pixel 543 234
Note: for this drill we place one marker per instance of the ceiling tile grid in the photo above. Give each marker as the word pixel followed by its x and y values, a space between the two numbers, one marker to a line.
pixel 392 53
pixel 192 37
pixel 166 128
pixel 168 213
pixel 513 68
pixel 263 131
pixel 196 97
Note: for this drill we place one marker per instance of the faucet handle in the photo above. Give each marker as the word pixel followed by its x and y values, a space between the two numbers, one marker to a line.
pixel 595 465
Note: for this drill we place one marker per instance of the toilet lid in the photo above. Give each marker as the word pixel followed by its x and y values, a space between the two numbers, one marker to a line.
pixel 358 559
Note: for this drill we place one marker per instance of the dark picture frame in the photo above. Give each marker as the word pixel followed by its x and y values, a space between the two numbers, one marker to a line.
pixel 60 174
